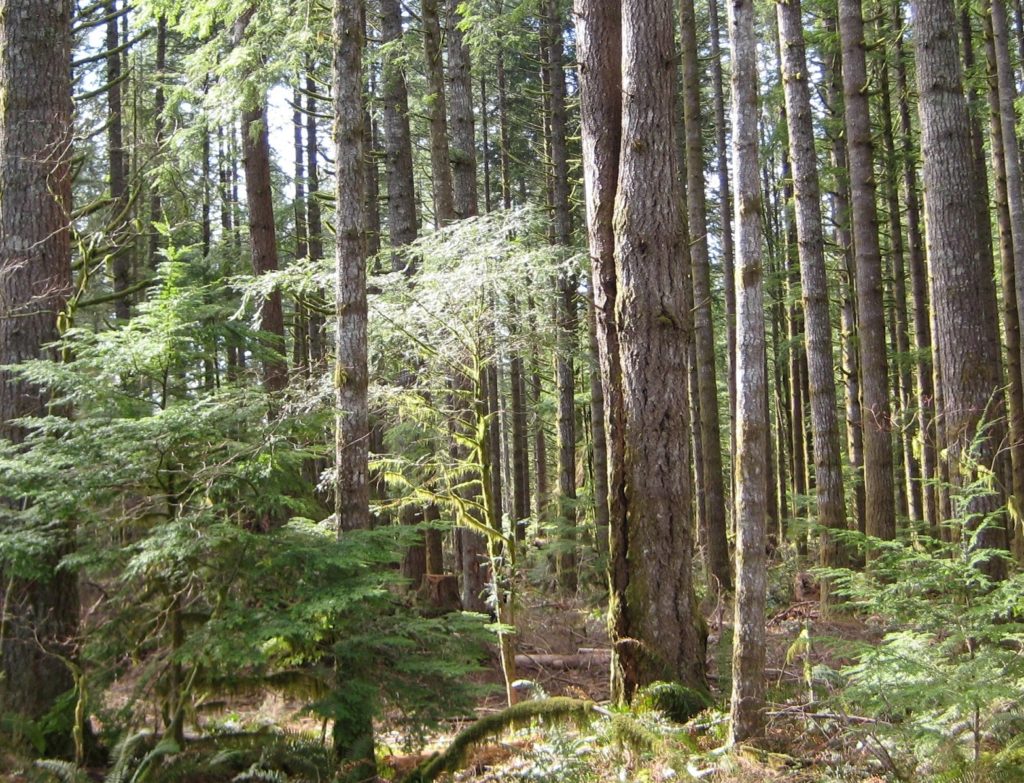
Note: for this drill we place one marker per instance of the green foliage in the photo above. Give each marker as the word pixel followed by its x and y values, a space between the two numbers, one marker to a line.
pixel 948 675
pixel 678 702
pixel 195 522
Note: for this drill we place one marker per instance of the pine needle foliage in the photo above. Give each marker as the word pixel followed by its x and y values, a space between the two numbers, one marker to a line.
pixel 201 533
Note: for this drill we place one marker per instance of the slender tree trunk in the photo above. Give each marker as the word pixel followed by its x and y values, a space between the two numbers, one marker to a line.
pixel 263 239
pixel 918 292
pixel 752 414
pixel 848 321
pixel 880 511
pixel 1011 319
pixel 713 499
pixel 828 468
pixel 117 173
pixel 38 617
pixel 599 39
pixel 440 157
pixel 725 218
pixel 462 124
pixel 300 329
pixel 159 102
pixel 600 439
pixel 911 470
pixel 963 291
pixel 520 440
pixel 313 213
pixel 351 502
pixel 566 318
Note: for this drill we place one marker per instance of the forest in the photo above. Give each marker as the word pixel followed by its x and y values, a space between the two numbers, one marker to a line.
pixel 511 390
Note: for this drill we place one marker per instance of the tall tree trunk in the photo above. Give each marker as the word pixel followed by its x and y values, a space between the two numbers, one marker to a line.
pixel 313 214
pixel 462 124
pixel 300 328
pixel 899 310
pixel 440 157
pixel 263 239
pixel 668 639
pixel 566 318
pixel 963 291
pixel 918 291
pixel 828 468
pixel 402 223
pixel 159 103
pixel 351 502
pixel 880 510
pixel 713 499
pixel 1011 317
pixel 598 36
pixel 751 411
pixel 725 218
pixel 117 174
pixel 39 616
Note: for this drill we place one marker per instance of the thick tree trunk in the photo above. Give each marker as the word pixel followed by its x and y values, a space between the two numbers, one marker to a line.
pixel 828 468
pixel 963 291
pixel 747 702
pixel 668 638
pixel 38 617
pixel 351 502
pixel 713 499
pixel 880 510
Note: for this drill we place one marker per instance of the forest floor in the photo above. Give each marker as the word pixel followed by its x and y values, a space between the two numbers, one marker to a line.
pixel 563 650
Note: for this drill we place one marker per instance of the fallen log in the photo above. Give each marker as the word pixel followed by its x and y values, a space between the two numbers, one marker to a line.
pixel 584 658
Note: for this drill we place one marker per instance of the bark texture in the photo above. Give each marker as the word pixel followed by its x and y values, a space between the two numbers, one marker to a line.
pixel 39 617
pixel 828 468
pixel 963 290
pixel 668 638
pixel 880 507
pixel 751 409
pixel 350 372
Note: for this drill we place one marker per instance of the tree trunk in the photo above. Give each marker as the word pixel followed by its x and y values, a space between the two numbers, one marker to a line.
pixel 880 510
pixel 460 94
pixel 263 239
pixel 751 411
pixel 566 318
pixel 1011 318
pixel 155 197
pixel 351 502
pixel 402 224
pixel 918 292
pixel 117 173
pixel 713 499
pixel 39 616
pixel 313 212
pixel 668 638
pixel 725 217
pixel 963 291
pixel 828 468
pixel 598 36
pixel 440 157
